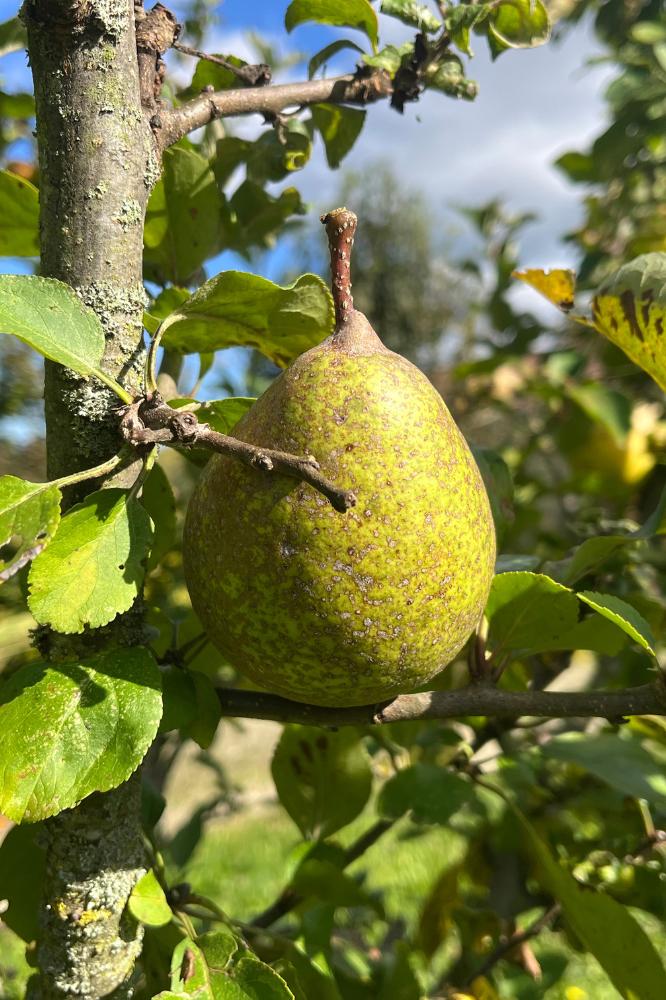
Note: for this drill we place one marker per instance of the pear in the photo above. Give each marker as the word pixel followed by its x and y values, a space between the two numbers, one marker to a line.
pixel 343 609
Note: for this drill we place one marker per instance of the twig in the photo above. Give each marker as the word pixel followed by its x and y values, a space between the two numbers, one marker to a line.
pixel 150 421
pixel 655 841
pixel 359 88
pixel 479 699
pixel 289 899
pixel 516 941
pixel 156 31
pixel 520 938
pixel 253 75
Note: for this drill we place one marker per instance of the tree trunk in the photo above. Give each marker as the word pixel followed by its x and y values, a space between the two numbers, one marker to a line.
pixel 97 164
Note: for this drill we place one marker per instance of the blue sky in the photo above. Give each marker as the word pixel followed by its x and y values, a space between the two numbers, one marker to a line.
pixel 532 106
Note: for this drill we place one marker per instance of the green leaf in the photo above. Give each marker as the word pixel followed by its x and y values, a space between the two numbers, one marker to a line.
pixel 622 762
pixel 518 24
pixel 258 217
pixel 604 406
pixel 201 966
pixel 322 57
pixel 178 698
pixel 304 977
pixel 12 36
pixel 499 486
pixel 529 611
pixel 461 19
pixel 230 152
pixel 339 128
pixel 158 500
pixel 182 845
pixel 19 216
pixel 29 516
pixel 593 632
pixel 532 613
pixel 147 902
pixel 324 880
pixel 594 552
pixel 390 58
pixel 235 308
pixel 342 13
pixel 20 106
pixel 93 568
pixel 209 74
pixel 630 309
pixel 448 75
pixel 512 563
pixel 648 32
pixel 623 615
pixel 217 968
pixel 22 872
pixel 274 156
pixel 656 522
pixel 203 726
pixel 431 793
pixel 579 167
pixel 70 729
pixel 590 555
pixel 166 302
pixel 153 803
pixel 224 414
pixel 323 779
pixel 604 927
pixel 410 12
pixel 183 218
pixel 48 316
pixel 221 414
pixel 257 981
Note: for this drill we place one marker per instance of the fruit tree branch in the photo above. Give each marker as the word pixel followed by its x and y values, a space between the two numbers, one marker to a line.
pixel 517 941
pixel 477 699
pixel 358 88
pixel 149 420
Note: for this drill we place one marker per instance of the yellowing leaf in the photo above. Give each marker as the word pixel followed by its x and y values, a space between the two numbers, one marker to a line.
pixel 557 285
pixel 29 515
pixel 483 990
pixel 630 309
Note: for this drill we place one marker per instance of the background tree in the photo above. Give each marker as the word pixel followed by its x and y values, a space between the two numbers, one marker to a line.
pixel 429 827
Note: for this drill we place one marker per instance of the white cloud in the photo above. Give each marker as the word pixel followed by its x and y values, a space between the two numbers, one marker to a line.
pixel 532 106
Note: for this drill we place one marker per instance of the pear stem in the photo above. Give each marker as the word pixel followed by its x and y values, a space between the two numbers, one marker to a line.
pixel 340 228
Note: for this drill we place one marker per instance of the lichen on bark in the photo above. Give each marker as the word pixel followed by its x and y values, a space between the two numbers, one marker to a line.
pixel 94 858
pixel 96 151
pixel 98 162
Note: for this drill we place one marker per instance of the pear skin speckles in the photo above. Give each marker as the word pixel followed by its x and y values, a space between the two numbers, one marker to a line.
pixel 343 609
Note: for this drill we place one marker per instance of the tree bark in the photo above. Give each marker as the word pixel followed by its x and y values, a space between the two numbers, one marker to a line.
pixel 98 163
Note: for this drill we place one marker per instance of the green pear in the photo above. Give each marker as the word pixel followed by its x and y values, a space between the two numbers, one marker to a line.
pixel 343 609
